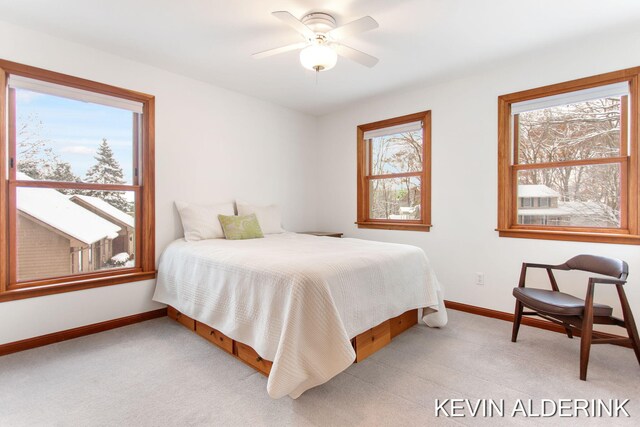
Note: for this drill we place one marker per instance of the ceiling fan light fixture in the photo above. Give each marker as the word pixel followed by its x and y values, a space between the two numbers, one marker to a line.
pixel 318 57
pixel 323 40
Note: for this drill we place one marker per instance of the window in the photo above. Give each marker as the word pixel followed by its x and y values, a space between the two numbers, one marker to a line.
pixel 394 173
pixel 573 147
pixel 76 193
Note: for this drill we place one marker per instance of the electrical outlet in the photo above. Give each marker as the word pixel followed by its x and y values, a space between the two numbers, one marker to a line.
pixel 480 279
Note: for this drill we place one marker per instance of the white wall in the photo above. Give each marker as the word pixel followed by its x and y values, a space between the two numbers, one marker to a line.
pixel 214 145
pixel 211 145
pixel 463 240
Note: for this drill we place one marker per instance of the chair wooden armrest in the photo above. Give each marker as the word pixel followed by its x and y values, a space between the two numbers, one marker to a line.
pixel 548 267
pixel 545 266
pixel 606 281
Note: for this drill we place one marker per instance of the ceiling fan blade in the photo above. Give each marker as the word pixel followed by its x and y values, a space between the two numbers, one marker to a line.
pixel 295 23
pixel 277 50
pixel 356 55
pixel 354 27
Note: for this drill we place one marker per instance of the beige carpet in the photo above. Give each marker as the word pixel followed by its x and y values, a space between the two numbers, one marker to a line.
pixel 157 373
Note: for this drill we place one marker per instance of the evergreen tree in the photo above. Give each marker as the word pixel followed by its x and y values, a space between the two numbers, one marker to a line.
pixel 62 172
pixel 107 170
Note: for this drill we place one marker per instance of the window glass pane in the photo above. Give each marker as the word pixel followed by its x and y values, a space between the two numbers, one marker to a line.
pixel 61 139
pixel 61 233
pixel 584 130
pixel 395 198
pixel 578 196
pixel 398 153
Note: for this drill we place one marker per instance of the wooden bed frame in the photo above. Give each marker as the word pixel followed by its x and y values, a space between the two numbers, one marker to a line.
pixel 364 344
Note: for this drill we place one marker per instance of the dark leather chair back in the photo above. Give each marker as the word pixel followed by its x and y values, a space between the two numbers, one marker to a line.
pixel 596 264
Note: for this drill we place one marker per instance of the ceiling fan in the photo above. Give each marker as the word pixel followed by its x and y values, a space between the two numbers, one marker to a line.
pixel 322 40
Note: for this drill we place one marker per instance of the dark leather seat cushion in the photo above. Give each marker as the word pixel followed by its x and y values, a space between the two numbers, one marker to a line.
pixel 558 303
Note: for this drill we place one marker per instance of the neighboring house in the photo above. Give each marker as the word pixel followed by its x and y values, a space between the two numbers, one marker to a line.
pixel 538 205
pixel 541 205
pixel 124 243
pixel 57 237
pixel 407 212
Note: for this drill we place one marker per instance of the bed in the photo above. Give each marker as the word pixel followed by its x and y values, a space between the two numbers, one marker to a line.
pixel 297 300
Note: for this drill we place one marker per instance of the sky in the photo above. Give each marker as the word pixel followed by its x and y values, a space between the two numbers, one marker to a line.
pixel 75 129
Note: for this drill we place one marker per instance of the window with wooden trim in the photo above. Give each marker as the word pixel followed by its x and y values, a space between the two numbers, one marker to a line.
pixel 394 173
pixel 568 160
pixel 76 183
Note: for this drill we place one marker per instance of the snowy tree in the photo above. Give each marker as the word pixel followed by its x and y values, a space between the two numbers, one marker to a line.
pixel 107 170
pixel 36 157
pixel 32 152
pixel 393 154
pixel 62 172
pixel 581 131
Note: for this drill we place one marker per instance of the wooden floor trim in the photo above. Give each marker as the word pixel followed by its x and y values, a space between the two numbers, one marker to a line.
pixel 81 331
pixel 526 320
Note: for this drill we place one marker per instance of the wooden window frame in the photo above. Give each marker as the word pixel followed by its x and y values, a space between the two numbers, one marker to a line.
pixel 364 220
pixel 629 232
pixel 143 186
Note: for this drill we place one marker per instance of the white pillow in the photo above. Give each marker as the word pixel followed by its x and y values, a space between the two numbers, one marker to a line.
pixel 201 222
pixel 268 216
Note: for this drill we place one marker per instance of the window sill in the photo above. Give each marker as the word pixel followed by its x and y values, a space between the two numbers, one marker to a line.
pixel 74 285
pixel 572 236
pixel 394 226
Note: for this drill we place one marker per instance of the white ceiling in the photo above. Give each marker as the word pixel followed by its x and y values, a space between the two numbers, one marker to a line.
pixel 418 40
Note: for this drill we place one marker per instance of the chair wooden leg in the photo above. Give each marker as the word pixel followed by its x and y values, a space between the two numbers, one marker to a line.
pixel 587 330
pixel 517 318
pixel 629 322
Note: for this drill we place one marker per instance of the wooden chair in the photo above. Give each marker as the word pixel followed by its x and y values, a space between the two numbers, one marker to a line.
pixel 575 314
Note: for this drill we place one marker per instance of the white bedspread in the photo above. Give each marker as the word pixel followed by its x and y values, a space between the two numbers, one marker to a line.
pixel 297 299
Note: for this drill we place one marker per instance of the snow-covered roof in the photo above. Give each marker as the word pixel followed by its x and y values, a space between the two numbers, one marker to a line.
pixel 56 210
pixel 533 190
pixel 107 208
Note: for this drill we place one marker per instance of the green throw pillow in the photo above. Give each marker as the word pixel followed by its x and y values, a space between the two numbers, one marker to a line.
pixel 240 227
